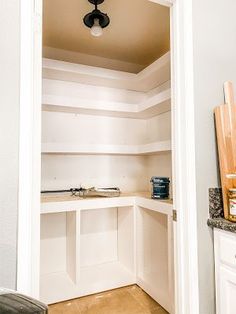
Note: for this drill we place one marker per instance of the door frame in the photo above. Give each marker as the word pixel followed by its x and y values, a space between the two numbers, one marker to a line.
pixel 28 244
pixel 183 142
pixel 184 165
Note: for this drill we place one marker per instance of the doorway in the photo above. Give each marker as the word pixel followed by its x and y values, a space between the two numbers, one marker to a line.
pixel 38 15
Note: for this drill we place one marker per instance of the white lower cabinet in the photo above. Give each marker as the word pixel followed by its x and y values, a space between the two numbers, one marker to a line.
pixel 225 271
pixel 86 250
pixel 227 291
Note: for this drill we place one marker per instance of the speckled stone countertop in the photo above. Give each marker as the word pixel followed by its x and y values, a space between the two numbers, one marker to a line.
pixel 216 219
pixel 222 223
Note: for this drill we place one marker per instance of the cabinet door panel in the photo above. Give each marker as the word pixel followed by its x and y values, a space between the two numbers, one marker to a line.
pixel 228 250
pixel 227 291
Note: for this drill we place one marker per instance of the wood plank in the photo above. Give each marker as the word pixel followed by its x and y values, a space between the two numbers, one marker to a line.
pixel 225 118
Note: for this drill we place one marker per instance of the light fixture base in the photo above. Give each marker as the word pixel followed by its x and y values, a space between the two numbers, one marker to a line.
pixel 96 1
pixel 96 14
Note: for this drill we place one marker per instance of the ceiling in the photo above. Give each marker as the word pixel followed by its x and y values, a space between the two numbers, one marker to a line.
pixel 139 31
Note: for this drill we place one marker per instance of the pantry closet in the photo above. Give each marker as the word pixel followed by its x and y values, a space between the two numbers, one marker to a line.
pixel 105 128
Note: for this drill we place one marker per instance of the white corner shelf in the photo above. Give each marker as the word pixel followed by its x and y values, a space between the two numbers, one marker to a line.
pixel 118 269
pixel 153 75
pixel 92 149
pixel 164 207
pixel 148 108
pixel 60 204
pixel 67 88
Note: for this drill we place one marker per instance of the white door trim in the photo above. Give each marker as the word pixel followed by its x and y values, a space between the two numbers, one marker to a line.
pixel 30 148
pixel 183 152
pixel 186 263
pixel 183 138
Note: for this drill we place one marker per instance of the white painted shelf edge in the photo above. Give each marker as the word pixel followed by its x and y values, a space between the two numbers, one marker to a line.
pixel 93 149
pixel 67 67
pixel 152 76
pixel 163 207
pixel 154 105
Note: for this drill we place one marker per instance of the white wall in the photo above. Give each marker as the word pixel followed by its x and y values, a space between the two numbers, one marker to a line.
pixel 85 129
pixel 9 126
pixel 159 128
pixel 129 173
pixel 214 33
pixel 66 171
pixel 80 91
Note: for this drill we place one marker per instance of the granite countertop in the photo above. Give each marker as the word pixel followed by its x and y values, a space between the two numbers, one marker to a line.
pixel 216 219
pixel 222 223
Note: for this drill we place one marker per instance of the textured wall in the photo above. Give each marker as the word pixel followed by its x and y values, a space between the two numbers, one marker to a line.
pixel 9 138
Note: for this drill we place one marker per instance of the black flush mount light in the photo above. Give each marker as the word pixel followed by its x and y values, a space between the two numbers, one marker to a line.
pixel 96 20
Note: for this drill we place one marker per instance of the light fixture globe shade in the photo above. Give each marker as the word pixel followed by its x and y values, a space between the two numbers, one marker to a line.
pixel 96 29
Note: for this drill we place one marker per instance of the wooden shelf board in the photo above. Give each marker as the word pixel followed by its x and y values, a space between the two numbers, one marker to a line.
pixel 150 107
pixel 63 203
pixel 90 149
pixel 161 206
pixel 155 74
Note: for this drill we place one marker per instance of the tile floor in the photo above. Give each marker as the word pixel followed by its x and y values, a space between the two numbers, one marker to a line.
pixel 128 300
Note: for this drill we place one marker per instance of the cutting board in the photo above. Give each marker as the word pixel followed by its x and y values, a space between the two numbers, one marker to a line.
pixel 225 120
